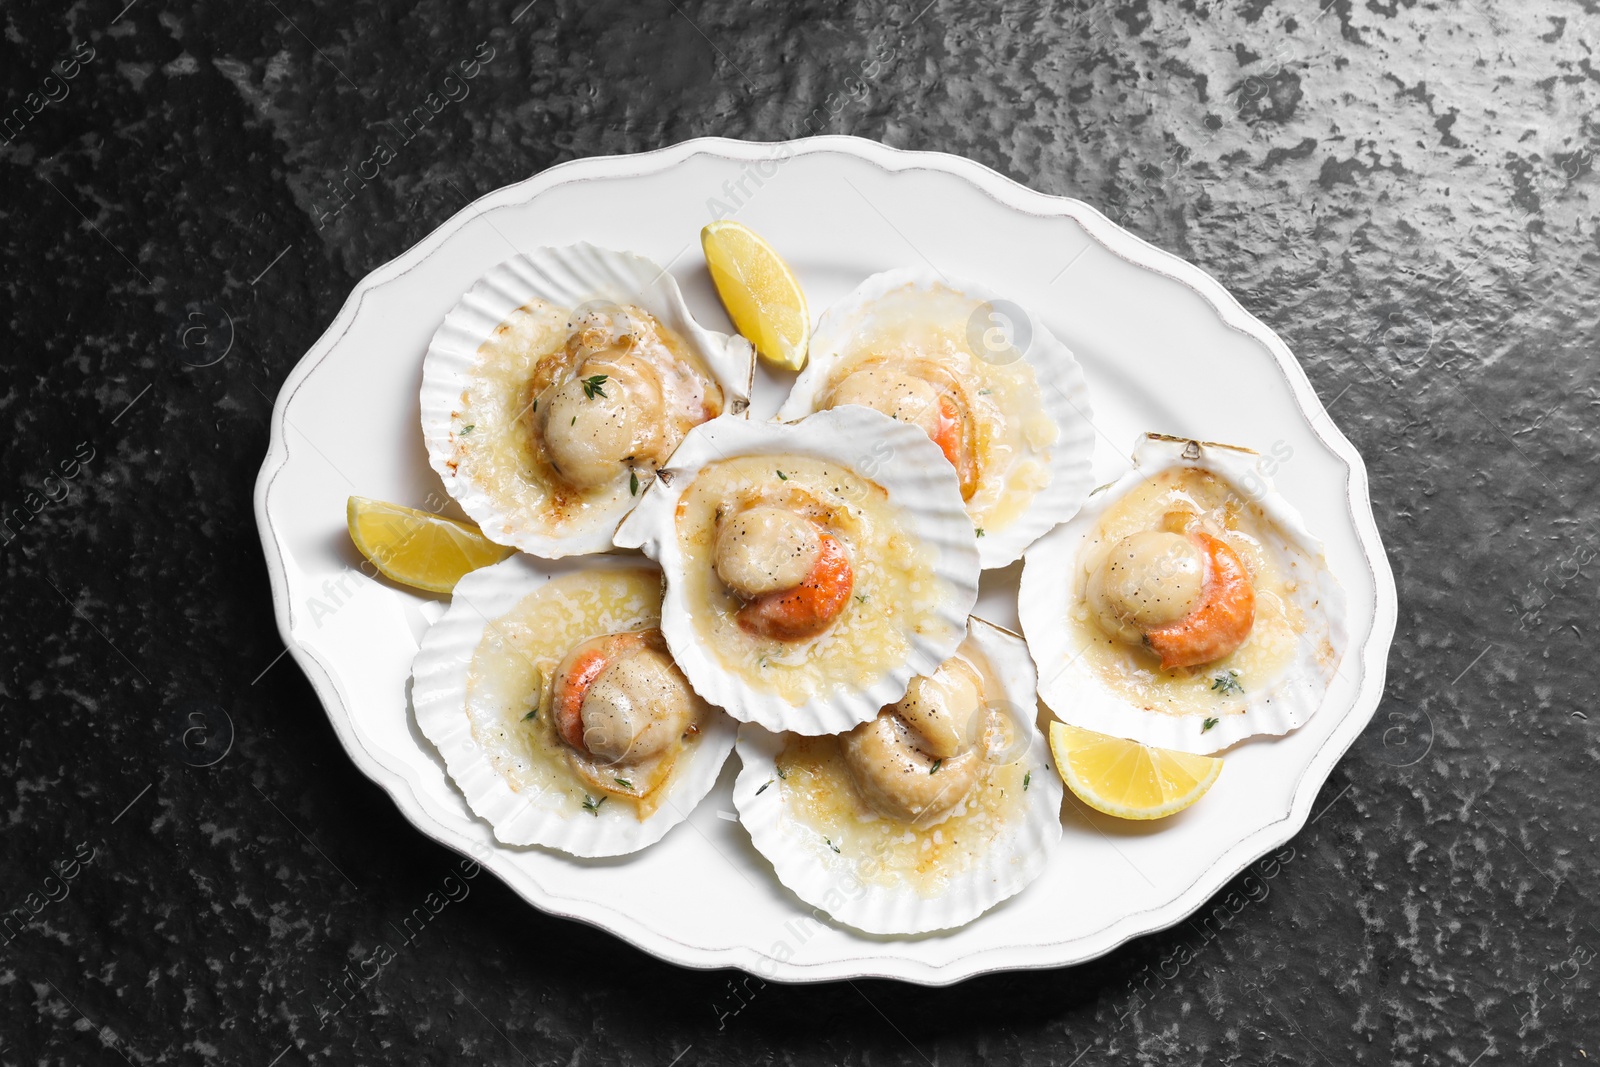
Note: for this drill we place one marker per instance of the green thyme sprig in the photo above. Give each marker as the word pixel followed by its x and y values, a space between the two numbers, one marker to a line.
pixel 1227 684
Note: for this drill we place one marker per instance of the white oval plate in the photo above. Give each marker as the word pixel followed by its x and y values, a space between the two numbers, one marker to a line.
pixel 839 209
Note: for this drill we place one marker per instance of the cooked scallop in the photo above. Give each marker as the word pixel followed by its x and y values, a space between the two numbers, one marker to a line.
pixel 765 549
pixel 925 816
pixel 923 754
pixel 812 569
pixel 1178 609
pixel 558 386
pixel 559 709
pixel 986 381
pixel 619 699
pixel 1147 580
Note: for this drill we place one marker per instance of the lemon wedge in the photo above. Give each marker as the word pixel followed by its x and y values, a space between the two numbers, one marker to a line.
pixel 1127 779
pixel 419 548
pixel 761 293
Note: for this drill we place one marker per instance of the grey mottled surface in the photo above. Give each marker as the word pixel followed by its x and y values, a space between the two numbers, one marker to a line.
pixel 1405 191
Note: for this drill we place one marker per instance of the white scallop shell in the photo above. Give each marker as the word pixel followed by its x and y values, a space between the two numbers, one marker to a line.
pixel 1062 392
pixel 566 276
pixel 438 695
pixel 920 484
pixel 814 873
pixel 1077 696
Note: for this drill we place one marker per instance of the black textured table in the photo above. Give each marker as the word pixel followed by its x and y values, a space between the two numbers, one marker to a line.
pixel 191 871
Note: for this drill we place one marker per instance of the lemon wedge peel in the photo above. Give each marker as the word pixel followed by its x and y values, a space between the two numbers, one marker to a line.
pixel 1127 779
pixel 418 548
pixel 761 294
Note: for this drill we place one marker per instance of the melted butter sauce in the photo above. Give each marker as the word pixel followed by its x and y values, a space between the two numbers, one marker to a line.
pixel 510 677
pixel 894 597
pixel 1134 672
